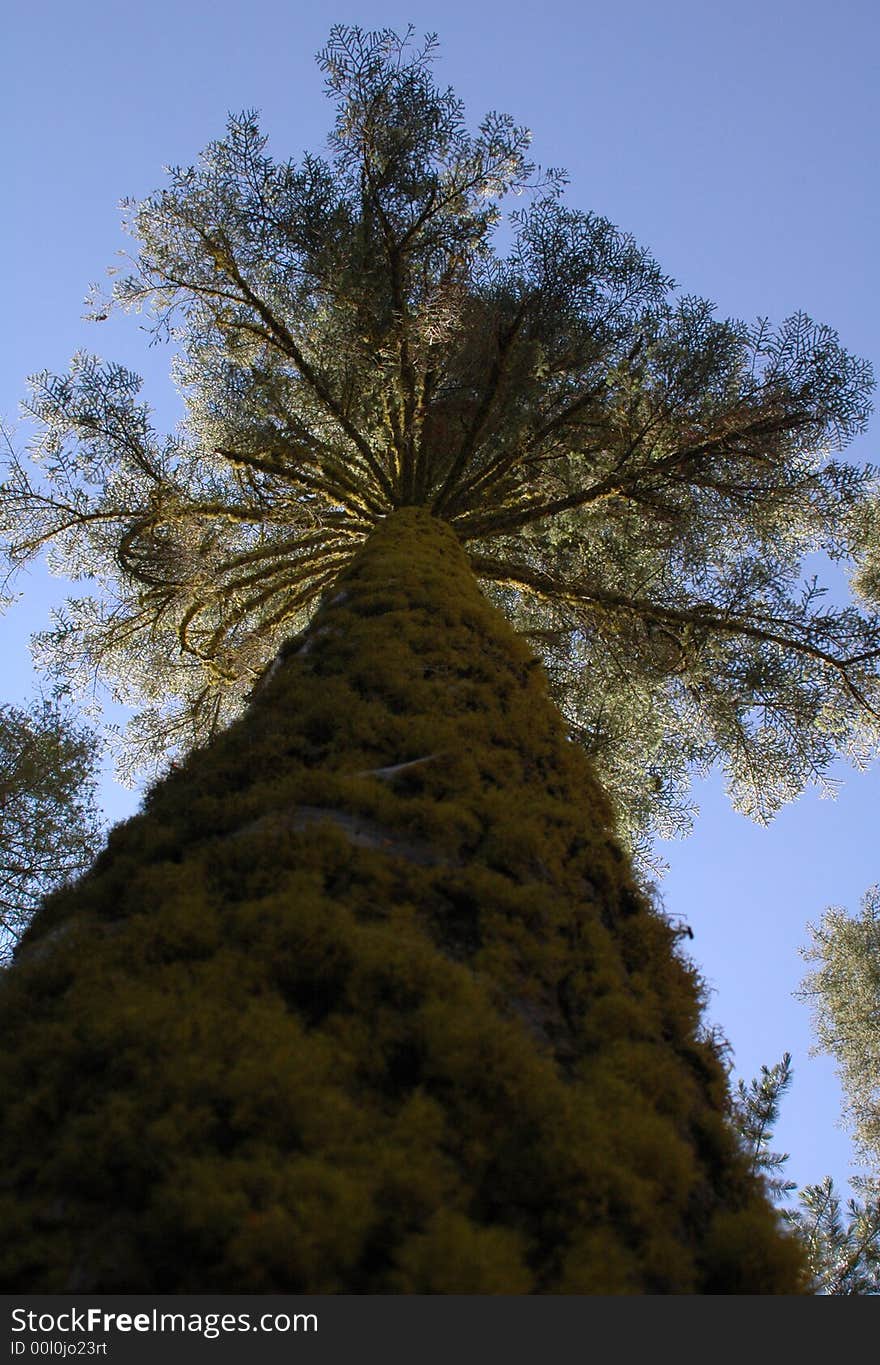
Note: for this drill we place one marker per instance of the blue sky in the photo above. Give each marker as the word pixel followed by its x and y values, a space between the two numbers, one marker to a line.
pixel 738 143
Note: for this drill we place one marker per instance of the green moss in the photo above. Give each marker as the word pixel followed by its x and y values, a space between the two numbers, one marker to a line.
pixel 319 1023
pixel 452 1256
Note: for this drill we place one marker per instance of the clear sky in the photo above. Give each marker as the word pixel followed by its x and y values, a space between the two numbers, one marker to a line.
pixel 737 142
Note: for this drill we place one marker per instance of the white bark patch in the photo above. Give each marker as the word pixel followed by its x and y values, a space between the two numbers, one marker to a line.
pixel 357 829
pixel 310 642
pixel 386 774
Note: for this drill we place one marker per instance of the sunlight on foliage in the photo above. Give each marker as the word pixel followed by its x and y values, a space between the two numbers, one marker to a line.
pixel 844 990
pixel 842 1245
pixel 637 481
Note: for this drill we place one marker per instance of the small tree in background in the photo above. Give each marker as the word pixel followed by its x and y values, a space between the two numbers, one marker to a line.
pixel 49 829
pixel 844 990
pixel 756 1111
pixel 842 1242
pixel 842 1245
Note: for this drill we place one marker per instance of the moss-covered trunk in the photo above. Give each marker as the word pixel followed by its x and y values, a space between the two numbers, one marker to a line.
pixel 366 1001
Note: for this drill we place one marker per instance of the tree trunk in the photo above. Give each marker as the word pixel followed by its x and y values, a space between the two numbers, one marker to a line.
pixel 366 1001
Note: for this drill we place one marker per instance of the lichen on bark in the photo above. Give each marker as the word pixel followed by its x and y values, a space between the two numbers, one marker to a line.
pixel 366 1000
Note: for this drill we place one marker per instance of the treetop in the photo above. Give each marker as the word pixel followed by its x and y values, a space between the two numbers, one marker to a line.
pixel 636 480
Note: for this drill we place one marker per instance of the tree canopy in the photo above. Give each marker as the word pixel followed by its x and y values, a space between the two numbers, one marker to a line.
pixel 844 989
pixel 841 1238
pixel 637 481
pixel 842 1244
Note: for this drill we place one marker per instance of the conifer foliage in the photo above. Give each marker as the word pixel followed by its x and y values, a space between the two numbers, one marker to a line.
pixel 49 828
pixel 844 990
pixel 366 999
pixel 635 480
pixel 841 1243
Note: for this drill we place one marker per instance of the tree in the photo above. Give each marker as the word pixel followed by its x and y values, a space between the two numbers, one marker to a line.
pixel 381 1005
pixel 843 1247
pixel 756 1111
pixel 635 480
pixel 843 1252
pixel 844 989
pixel 49 829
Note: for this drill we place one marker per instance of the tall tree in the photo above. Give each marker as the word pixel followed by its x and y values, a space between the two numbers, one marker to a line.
pixel 49 829
pixel 381 1007
pixel 636 481
pixel 366 1000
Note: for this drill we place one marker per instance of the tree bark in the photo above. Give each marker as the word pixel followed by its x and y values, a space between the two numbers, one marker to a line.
pixel 366 1000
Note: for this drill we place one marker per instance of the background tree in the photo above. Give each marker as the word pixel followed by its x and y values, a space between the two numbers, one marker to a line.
pixel 381 1008
pixel 842 1242
pixel 49 828
pixel 843 1245
pixel 756 1110
pixel 844 989
pixel 843 1248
